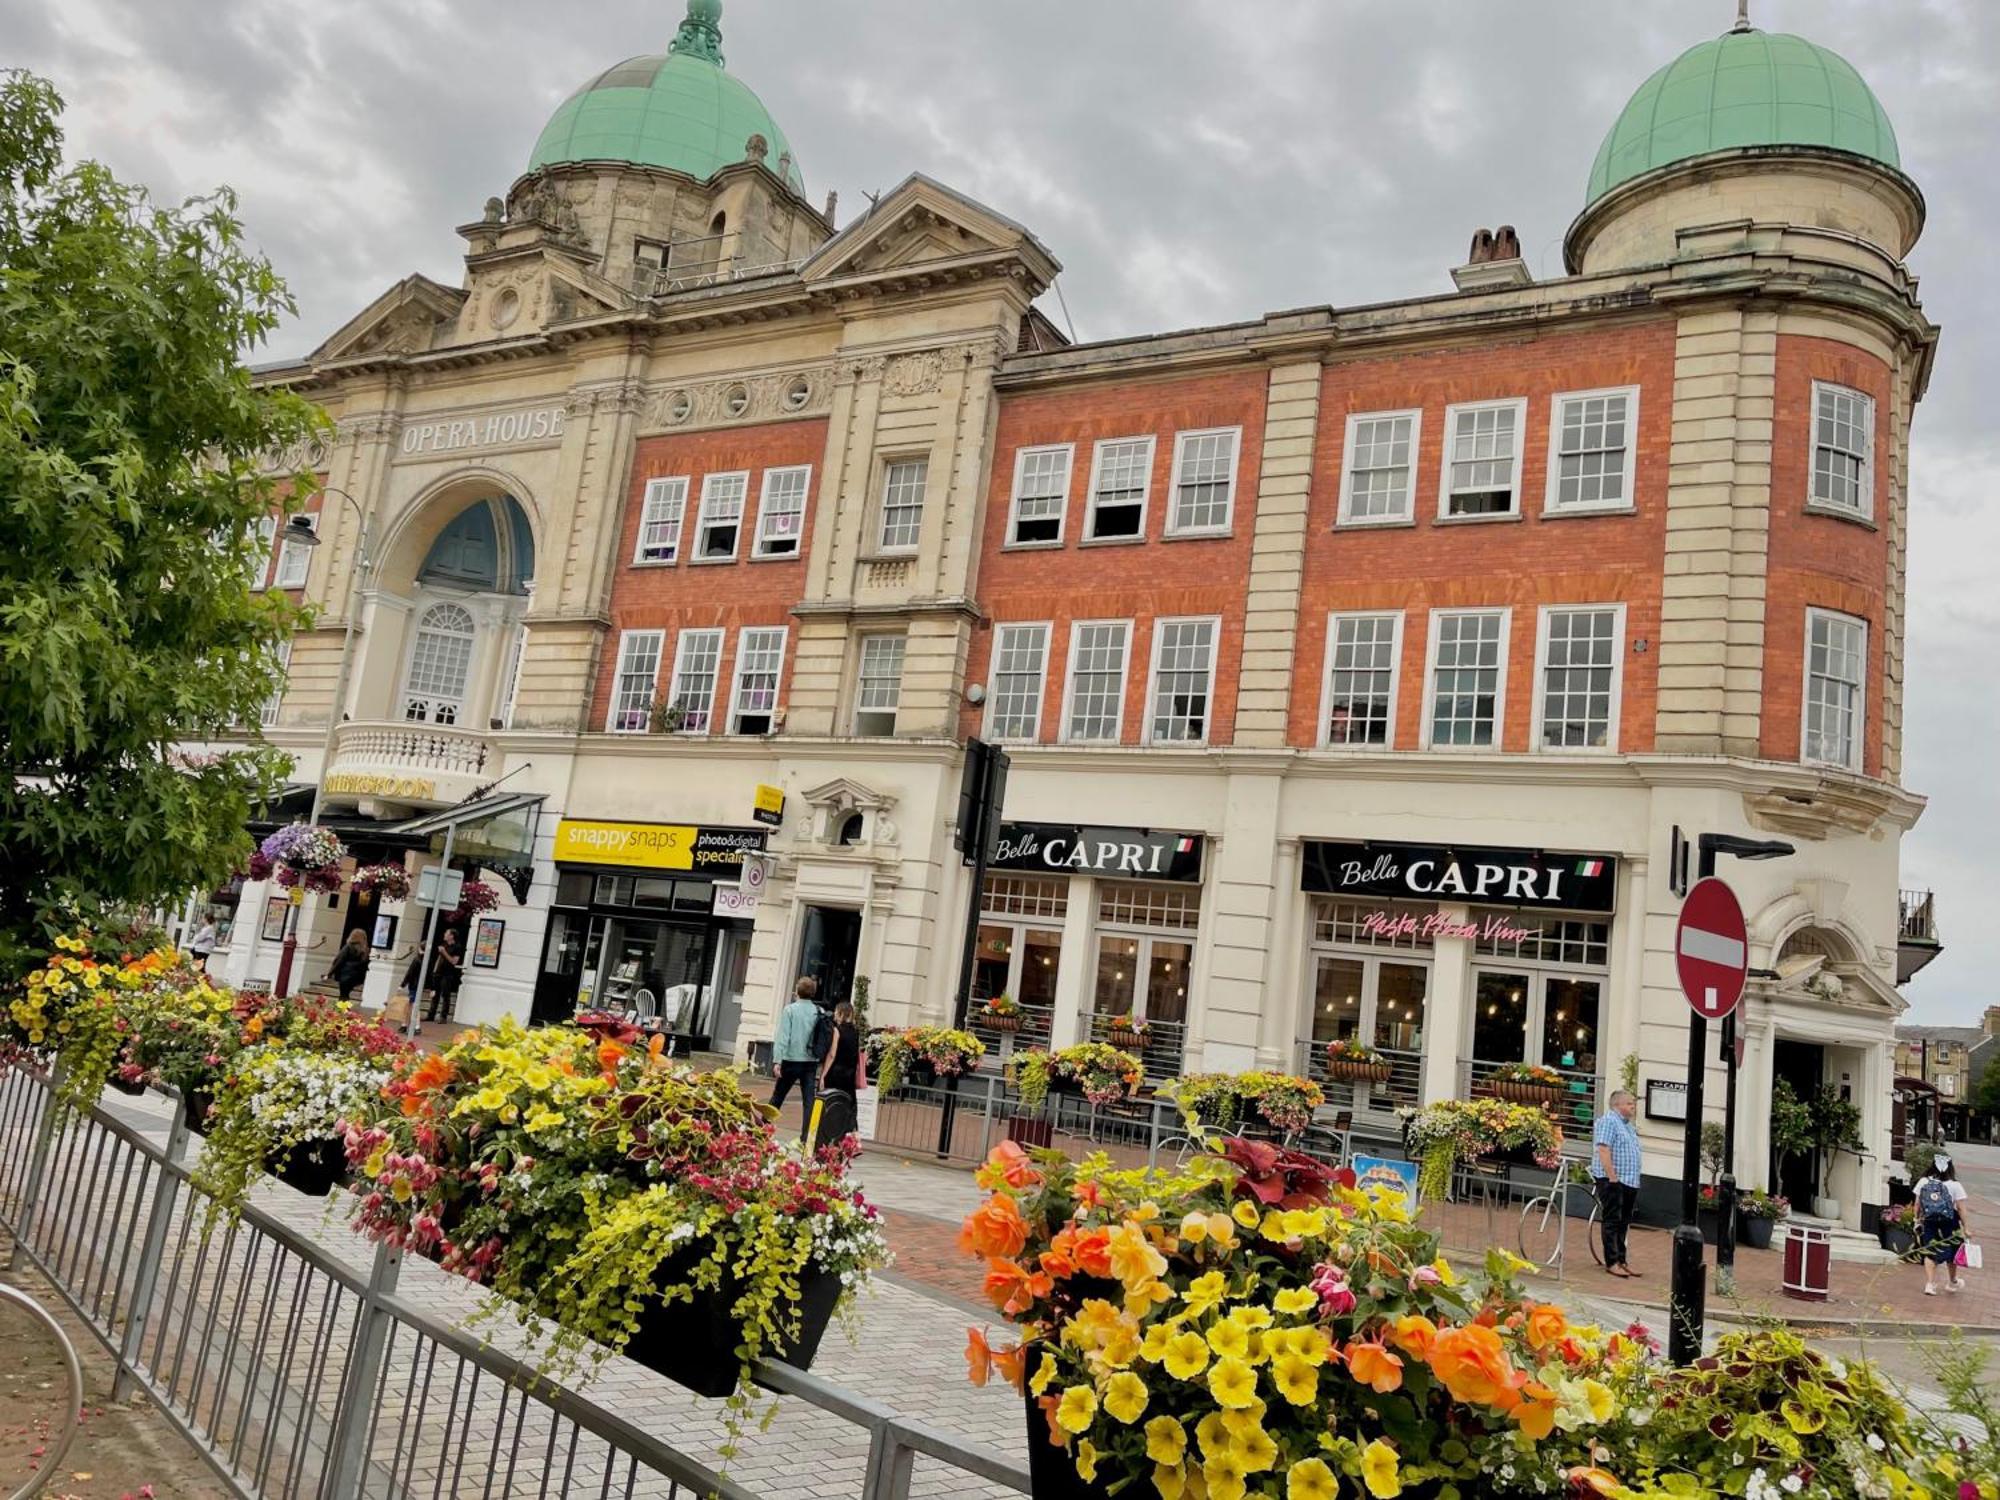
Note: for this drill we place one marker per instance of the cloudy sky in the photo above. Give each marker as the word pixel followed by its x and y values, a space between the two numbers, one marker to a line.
pixel 1188 162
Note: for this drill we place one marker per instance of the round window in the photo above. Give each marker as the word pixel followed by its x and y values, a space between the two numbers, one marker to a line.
pixel 506 307
pixel 797 394
pixel 680 405
pixel 737 401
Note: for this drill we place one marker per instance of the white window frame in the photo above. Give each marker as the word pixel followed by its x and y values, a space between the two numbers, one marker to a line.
pixel 1866 511
pixel 704 519
pixel 1859 750
pixel 1431 641
pixel 1551 493
pixel 1090 536
pixel 1345 515
pixel 761 547
pixel 626 640
pixel 661 492
pixel 1323 738
pixel 777 678
pixel 1540 706
pixel 1076 629
pixel 861 679
pixel 1048 631
pixel 883 546
pixel 267 535
pixel 1181 441
pixel 678 682
pixel 1519 405
pixel 1021 457
pixel 1214 622
pixel 268 710
pixel 281 574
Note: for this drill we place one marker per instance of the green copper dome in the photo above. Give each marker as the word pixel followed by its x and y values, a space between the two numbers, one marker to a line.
pixel 679 111
pixel 1745 88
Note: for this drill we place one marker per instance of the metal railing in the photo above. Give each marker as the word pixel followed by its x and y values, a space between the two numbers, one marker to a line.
pixel 1916 917
pixel 296 1368
pixel 1036 1028
pixel 454 751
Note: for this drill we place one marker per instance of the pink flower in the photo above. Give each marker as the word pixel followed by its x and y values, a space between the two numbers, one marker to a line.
pixel 1425 1276
pixel 1329 1283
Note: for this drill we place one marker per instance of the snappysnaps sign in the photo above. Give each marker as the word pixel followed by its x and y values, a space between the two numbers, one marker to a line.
pixel 1435 872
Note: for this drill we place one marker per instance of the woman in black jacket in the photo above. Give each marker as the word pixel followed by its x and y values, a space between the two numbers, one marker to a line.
pixel 349 968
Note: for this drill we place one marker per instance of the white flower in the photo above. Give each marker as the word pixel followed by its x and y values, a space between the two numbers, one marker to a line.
pixel 1791 1484
pixel 1875 1442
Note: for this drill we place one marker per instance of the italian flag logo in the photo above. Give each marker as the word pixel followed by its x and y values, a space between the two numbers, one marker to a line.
pixel 1185 846
pixel 1589 867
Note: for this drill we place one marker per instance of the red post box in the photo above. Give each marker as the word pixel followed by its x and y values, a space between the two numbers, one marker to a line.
pixel 1808 1262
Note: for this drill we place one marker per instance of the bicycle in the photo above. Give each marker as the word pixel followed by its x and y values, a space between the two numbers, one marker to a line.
pixel 60 1439
pixel 1544 1229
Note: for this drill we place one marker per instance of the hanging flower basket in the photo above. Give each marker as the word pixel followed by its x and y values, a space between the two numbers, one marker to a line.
pixel 474 897
pixel 1128 1036
pixel 1528 1083
pixel 303 854
pixel 390 882
pixel 1002 1014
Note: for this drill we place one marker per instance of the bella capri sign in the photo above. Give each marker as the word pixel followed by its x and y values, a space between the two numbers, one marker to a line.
pixel 1483 877
pixel 1081 849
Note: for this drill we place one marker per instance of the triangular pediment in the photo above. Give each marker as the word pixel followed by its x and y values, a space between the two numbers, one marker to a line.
pixel 925 223
pixel 843 794
pixel 413 315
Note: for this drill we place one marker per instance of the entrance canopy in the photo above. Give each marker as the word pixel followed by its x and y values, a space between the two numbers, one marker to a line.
pixel 499 828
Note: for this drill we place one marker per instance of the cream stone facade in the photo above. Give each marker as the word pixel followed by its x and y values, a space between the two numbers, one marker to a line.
pixel 527 495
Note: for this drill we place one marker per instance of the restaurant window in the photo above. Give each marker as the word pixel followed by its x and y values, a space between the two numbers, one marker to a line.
pixel 1020 948
pixel 1371 983
pixel 1539 985
pixel 1145 951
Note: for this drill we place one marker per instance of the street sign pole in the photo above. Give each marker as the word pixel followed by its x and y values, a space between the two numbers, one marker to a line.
pixel 981 790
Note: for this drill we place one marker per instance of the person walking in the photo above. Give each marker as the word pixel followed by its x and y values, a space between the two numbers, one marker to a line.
pixel 845 1068
pixel 1940 1223
pixel 792 1050
pixel 1614 1170
pixel 202 944
pixel 350 965
pixel 447 968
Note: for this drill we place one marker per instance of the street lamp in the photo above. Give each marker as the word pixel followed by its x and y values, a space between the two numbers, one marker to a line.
pixel 1686 1298
pixel 299 532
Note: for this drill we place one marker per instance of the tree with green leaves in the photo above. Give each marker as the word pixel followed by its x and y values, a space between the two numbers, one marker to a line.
pixel 1986 1089
pixel 133 448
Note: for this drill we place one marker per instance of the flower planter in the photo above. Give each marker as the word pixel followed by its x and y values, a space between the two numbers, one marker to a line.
pixel 1031 1131
pixel 694 1343
pixel 1052 1471
pixel 1004 1024
pixel 314 1168
pixel 1710 1220
pixel 1517 1091
pixel 125 1086
pixel 1346 1070
pixel 1125 1040
pixel 1754 1230
pixel 1513 1156
pixel 1826 1208
pixel 195 1105
pixel 1899 1241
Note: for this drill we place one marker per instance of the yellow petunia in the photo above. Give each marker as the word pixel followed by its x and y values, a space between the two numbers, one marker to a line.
pixel 1381 1470
pixel 377 1159
pixel 1250 1316
pixel 1296 1377
pixel 1305 1223
pixel 1447 1275
pixel 1310 1479
pixel 1194 1228
pixel 1229 1340
pixel 1166 1441
pixel 1187 1355
pixel 1211 1436
pixel 1086 1461
pixel 1204 1292
pixel 1045 1374
pixel 1273 1228
pixel 1170 1481
pixel 1232 1382
pixel 1294 1300
pixel 1245 1213
pixel 1224 1476
pixel 1603 1404
pixel 1255 1451
pixel 1125 1397
pixel 1153 1348
pixel 401 1190
pixel 1077 1408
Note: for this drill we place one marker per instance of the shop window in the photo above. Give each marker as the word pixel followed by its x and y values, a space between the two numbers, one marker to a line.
pixel 612 890
pixel 1468 678
pixel 760 658
pixel 573 887
pixel 903 483
pixel 1836 663
pixel 1482 460
pixel 1371 924
pixel 632 687
pixel 1204 482
pixel 781 511
pixel 1561 940
pixel 652 891
pixel 1380 475
pixel 1183 679
pixel 1120 473
pixel 1041 489
pixel 1590 461
pixel 660 521
pixel 1098 654
pixel 1843 450
pixel 1363 655
pixel 1577 680
pixel 721 516
pixel 691 698
pixel 879 684
pixel 1020 672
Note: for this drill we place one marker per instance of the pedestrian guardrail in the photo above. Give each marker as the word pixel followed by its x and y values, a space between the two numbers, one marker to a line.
pixel 297 1368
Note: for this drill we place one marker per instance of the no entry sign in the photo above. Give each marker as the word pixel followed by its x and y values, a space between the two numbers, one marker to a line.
pixel 1711 949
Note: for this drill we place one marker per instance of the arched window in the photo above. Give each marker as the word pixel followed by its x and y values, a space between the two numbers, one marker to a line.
pixel 440 662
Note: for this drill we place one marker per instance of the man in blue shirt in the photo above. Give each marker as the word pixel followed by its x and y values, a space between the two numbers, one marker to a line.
pixel 1614 1168
pixel 793 1050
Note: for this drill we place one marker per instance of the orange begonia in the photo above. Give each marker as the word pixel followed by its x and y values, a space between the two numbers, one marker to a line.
pixel 1086 1250
pixel 995 1229
pixel 1372 1365
pixel 1414 1334
pixel 1545 1325
pixel 608 1055
pixel 1537 1414
pixel 1010 1165
pixel 1014 1288
pixel 978 1356
pixel 1474 1367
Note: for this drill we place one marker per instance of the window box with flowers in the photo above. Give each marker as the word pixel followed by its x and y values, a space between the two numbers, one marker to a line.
pixel 1527 1083
pixel 1127 1032
pixel 1350 1061
pixel 1002 1013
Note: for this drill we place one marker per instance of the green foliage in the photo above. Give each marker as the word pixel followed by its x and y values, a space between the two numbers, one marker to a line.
pixel 1791 1123
pixel 1628 1073
pixel 1711 1148
pixel 1960 1443
pixel 131 439
pixel 1224 1100
pixel 1986 1092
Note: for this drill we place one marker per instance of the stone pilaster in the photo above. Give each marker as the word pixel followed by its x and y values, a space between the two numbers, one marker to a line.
pixel 1277 555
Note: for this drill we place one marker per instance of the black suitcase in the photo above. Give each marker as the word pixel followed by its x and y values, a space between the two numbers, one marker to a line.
pixel 836 1117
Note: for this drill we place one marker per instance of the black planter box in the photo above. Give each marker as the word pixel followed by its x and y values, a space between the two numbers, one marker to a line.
pixel 920 1072
pixel 195 1105
pixel 314 1168
pixel 125 1087
pixel 1052 1471
pixel 694 1343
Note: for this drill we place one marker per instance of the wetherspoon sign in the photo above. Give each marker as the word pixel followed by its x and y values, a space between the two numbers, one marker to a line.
pixel 1531 878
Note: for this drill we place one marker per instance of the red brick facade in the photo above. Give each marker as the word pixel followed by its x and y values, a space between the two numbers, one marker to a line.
pixel 689 595
pixel 1820 561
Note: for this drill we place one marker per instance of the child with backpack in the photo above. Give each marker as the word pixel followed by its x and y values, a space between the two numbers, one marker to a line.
pixel 1940 1223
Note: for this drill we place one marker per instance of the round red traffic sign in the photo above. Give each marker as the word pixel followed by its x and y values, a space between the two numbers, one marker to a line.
pixel 1712 949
